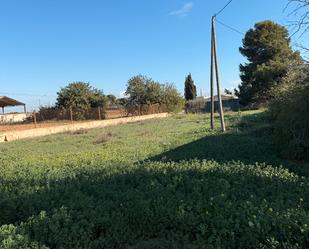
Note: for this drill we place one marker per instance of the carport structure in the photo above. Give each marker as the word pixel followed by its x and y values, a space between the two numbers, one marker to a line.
pixel 8 102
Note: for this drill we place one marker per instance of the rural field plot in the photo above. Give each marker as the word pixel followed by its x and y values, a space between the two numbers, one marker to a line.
pixel 168 183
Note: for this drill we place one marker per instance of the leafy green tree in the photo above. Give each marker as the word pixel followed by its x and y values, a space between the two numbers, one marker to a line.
pixel 190 88
pixel 142 90
pixel 111 99
pixel 123 101
pixel 172 99
pixel 80 95
pixel 268 51
pixel 136 90
pixel 97 98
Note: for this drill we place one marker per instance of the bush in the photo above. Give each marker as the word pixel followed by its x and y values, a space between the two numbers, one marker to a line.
pixel 11 239
pixel 290 115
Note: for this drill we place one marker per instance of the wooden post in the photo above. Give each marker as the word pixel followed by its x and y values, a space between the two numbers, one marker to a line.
pixel 99 112
pixel 34 119
pixel 2 109
pixel 71 114
pixel 212 106
pixel 25 110
pixel 217 77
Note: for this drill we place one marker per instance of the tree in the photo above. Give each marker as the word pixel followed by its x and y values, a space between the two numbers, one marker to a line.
pixel 268 51
pixel 80 95
pixel 136 90
pixel 111 99
pixel 142 90
pixel 300 9
pixel 172 99
pixel 190 88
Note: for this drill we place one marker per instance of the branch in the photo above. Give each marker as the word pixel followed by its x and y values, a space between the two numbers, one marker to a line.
pixel 301 11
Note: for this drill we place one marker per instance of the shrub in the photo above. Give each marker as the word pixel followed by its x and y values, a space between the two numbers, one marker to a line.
pixel 290 115
pixel 10 238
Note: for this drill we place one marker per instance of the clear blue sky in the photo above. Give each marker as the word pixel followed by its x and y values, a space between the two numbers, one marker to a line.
pixel 46 44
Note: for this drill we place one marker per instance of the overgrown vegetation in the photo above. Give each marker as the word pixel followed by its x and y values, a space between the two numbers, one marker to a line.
pixel 170 183
pixel 289 112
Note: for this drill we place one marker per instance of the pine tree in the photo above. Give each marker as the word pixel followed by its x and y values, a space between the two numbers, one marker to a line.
pixel 268 51
pixel 190 88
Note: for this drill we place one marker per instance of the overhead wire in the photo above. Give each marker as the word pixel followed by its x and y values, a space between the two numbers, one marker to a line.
pixel 221 10
pixel 230 27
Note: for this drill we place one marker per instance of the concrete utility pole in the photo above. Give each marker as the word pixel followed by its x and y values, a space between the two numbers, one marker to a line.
pixel 214 58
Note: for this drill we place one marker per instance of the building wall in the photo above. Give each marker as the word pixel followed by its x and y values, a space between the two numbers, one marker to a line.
pixel 199 106
pixel 228 105
pixel 12 117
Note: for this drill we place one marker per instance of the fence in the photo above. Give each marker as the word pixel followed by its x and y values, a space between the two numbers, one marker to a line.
pixel 99 113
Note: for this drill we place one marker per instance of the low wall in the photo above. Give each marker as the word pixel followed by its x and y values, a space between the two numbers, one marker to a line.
pixel 40 132
pixel 12 117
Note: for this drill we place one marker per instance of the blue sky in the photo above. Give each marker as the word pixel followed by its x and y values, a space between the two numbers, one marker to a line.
pixel 46 44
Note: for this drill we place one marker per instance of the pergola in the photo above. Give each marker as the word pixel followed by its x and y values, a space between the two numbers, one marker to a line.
pixel 6 102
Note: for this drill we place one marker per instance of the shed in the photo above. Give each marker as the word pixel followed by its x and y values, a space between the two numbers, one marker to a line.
pixel 8 102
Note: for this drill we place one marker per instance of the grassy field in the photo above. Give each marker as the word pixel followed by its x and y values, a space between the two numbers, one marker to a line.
pixel 170 183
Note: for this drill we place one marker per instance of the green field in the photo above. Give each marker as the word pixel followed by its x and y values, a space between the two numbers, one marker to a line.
pixel 168 183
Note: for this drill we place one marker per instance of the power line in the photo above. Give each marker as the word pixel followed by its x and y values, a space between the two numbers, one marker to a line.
pixel 230 27
pixel 219 12
pixel 241 33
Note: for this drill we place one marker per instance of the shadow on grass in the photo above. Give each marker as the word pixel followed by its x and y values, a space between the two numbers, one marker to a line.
pixel 248 141
pixel 223 148
pixel 162 205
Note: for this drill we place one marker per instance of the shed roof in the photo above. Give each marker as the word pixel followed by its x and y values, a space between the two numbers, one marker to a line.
pixel 6 101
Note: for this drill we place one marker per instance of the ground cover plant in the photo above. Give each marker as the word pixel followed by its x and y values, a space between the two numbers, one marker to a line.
pixel 169 183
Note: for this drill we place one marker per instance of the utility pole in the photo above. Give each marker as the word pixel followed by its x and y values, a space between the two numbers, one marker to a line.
pixel 214 58
pixel 212 106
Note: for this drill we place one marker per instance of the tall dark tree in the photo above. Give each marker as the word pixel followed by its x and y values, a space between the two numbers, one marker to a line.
pixel 268 51
pixel 190 88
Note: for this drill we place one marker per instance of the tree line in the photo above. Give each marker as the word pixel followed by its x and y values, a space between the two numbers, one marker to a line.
pixel 141 90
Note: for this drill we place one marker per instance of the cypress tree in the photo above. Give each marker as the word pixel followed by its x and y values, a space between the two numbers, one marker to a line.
pixel 190 88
